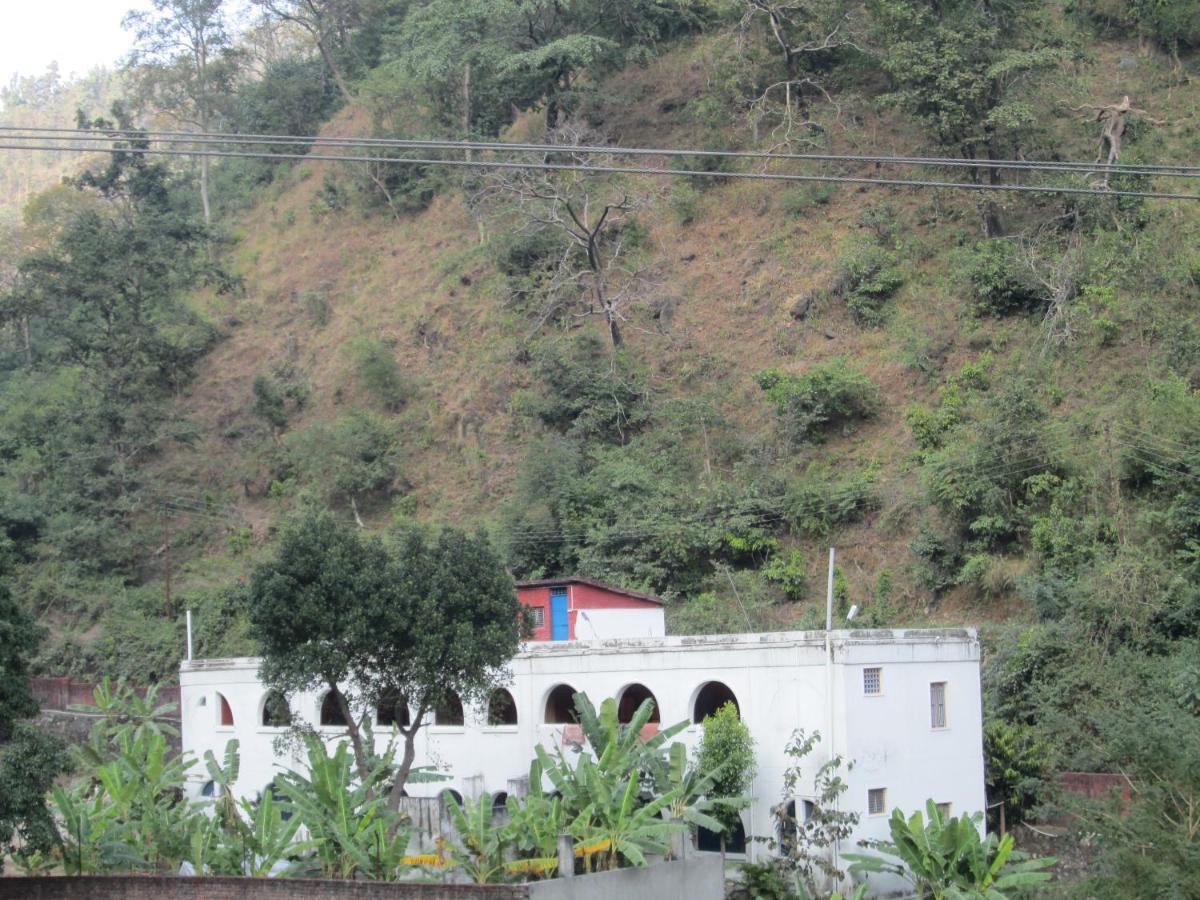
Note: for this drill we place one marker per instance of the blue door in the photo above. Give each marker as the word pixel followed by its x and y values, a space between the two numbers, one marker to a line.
pixel 559 624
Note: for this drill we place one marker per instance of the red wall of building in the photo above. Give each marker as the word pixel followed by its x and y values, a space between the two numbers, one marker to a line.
pixel 539 597
pixel 579 596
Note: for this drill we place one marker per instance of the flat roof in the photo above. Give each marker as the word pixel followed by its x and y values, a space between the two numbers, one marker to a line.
pixel 590 582
pixel 860 637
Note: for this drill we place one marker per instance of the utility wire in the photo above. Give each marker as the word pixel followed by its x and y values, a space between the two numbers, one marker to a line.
pixel 626 170
pixel 202 137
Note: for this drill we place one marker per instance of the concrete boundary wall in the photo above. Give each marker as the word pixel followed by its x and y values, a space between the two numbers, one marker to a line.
pixel 695 878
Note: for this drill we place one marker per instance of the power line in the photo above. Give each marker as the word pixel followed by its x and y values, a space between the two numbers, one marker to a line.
pixel 625 170
pixel 202 137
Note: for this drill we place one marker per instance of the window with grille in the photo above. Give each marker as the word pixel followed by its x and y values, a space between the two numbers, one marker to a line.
pixel 872 681
pixel 937 704
pixel 876 801
pixel 537 616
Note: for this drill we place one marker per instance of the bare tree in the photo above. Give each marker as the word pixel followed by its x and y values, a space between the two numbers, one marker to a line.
pixel 801 29
pixel 1056 264
pixel 594 275
pixel 1111 118
pixel 329 24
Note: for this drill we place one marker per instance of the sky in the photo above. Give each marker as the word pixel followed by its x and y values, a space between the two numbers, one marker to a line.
pixel 79 34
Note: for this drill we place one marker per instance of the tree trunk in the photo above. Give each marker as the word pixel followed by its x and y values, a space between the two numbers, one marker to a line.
pixel 204 190
pixel 406 761
pixel 334 70
pixel 356 742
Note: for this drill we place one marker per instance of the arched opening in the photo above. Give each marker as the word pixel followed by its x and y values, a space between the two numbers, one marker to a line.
pixel 560 706
pixel 711 697
pixel 631 698
pixel 449 711
pixel 502 709
pixel 276 713
pixel 209 789
pixel 500 802
pixel 226 711
pixel 450 792
pixel 710 841
pixel 331 712
pixel 392 711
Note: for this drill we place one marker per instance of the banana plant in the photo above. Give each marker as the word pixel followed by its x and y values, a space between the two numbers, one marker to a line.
pixel 534 824
pixel 481 851
pixel 346 817
pixel 616 750
pixel 690 790
pixel 946 859
pixel 92 835
pixel 617 822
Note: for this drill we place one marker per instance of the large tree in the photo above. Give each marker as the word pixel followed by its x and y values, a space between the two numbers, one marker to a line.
pixel 29 759
pixel 961 68
pixel 416 625
pixel 183 63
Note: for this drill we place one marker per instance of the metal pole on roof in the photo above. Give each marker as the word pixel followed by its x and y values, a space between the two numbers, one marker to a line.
pixel 189 635
pixel 829 679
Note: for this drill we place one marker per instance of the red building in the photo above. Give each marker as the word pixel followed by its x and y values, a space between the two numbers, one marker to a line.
pixel 570 609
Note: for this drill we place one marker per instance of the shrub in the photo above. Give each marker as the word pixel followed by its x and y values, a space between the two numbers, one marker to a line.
pixel 999 285
pixel 588 394
pixel 829 393
pixel 379 373
pixel 870 277
pixel 350 458
pixel 798 201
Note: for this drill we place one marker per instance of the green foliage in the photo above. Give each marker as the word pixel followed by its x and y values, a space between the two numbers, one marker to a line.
pixel 946 858
pixel 354 833
pixel 1017 764
pixel 789 573
pixel 828 394
pixel 1000 283
pixel 379 373
pixel 110 343
pixel 603 799
pixel 727 752
pixel 587 394
pixel 870 276
pixel 801 841
pixel 30 760
pixel 350 459
pixel 1172 23
pixel 959 66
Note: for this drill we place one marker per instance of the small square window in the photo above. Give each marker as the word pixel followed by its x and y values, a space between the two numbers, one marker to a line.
pixel 537 616
pixel 876 801
pixel 937 704
pixel 944 811
pixel 872 681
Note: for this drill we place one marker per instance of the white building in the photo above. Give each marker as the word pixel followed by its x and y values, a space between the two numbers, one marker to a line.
pixel 903 705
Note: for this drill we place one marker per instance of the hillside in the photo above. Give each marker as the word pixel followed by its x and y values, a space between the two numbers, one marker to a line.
pixel 987 402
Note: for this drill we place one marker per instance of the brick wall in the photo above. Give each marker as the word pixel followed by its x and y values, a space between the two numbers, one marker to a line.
pixel 62 693
pixel 167 887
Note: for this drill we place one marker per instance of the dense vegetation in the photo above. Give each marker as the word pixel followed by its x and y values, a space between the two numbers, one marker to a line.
pixel 988 402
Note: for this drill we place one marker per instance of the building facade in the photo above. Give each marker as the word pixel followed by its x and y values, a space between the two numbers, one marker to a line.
pixel 568 609
pixel 904 706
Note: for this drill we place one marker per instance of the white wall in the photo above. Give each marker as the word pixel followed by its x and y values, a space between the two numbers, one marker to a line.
pixel 779 680
pixel 606 624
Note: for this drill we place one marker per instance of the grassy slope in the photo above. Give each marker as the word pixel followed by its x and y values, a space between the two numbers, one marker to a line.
pixel 425 285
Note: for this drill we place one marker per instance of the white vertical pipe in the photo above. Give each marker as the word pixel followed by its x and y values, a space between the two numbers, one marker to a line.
pixel 829 682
